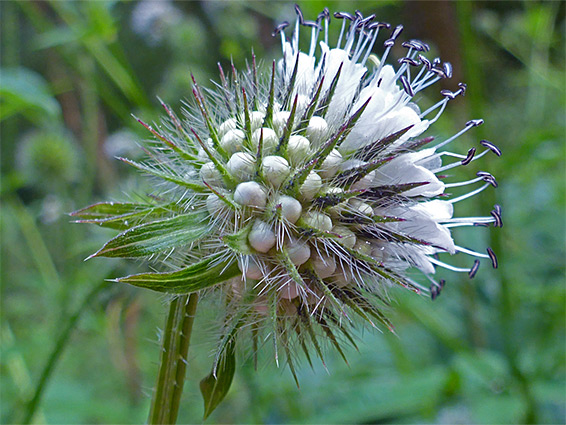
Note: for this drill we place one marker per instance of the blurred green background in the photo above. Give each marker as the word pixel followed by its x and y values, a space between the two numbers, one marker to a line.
pixel 490 350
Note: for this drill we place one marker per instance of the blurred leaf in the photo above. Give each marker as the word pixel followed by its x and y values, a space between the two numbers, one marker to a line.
pixel 157 236
pixel 190 279
pixel 216 385
pixel 24 91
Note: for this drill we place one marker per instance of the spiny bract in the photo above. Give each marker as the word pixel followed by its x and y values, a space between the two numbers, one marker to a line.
pixel 303 193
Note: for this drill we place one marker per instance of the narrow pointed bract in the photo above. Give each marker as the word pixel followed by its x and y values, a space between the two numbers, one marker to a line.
pixel 314 189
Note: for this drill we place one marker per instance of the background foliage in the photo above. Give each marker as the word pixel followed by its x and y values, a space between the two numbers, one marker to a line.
pixel 489 350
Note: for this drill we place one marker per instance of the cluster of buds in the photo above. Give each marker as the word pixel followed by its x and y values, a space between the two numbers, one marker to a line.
pixel 305 193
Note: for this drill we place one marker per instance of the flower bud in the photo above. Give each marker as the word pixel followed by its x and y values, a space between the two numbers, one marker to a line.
pixel 290 208
pixel 261 237
pixel 210 175
pixel 275 170
pixel 298 251
pixel 298 149
pixel 324 265
pixel 289 289
pixel 250 194
pixel 226 126
pixel 317 130
pixel 270 139
pixel 347 237
pixel 331 164
pixel 215 206
pixel 233 141
pixel 249 264
pixel 311 186
pixel 241 165
pixel 317 220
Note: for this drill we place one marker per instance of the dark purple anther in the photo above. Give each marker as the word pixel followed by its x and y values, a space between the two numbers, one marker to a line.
pixel 343 15
pixel 407 86
pixel 434 292
pixel 469 157
pixel 280 28
pixel 491 147
pixel 474 123
pixel 474 269
pixel 447 68
pixel 398 30
pixel 492 257
pixel 426 62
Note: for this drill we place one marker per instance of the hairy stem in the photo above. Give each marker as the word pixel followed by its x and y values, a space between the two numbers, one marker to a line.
pixel 173 360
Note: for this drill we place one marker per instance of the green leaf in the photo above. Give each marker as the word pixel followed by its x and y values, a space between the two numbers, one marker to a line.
pixel 157 236
pixel 216 385
pixel 120 216
pixel 238 242
pixel 24 91
pixel 201 275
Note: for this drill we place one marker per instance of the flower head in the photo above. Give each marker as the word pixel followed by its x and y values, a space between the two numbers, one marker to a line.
pixel 305 192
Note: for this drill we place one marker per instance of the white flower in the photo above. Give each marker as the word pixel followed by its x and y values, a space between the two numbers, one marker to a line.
pixel 317 194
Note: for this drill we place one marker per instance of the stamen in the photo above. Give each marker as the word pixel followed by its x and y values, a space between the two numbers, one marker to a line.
pixel 469 157
pixel 470 252
pixel 491 147
pixel 279 28
pixel 448 266
pixel 474 269
pixel 447 68
pixel 487 177
pixel 406 86
pixel 465 183
pixel 496 214
pixel 469 124
pixel 468 195
pixel 492 257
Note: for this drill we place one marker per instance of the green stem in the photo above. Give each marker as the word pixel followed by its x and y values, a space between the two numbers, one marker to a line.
pixel 56 353
pixel 173 360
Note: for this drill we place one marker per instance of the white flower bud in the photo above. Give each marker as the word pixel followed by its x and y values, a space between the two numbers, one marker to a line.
pixel 311 186
pixel 256 120
pixel 317 220
pixel 250 266
pixel 363 247
pixel 233 141
pixel 261 237
pixel 250 194
pixel 215 206
pixel 241 165
pixel 229 124
pixel 290 208
pixel 331 164
pixel 378 252
pixel 275 169
pixel 280 121
pixel 324 265
pixel 298 251
pixel 341 279
pixel 298 149
pixel 347 237
pixel 361 207
pixel 317 130
pixel 289 289
pixel 210 174
pixel 270 139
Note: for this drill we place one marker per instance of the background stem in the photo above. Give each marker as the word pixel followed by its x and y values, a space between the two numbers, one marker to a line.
pixel 56 353
pixel 173 360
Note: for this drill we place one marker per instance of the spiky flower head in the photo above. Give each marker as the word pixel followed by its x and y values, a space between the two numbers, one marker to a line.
pixel 303 193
